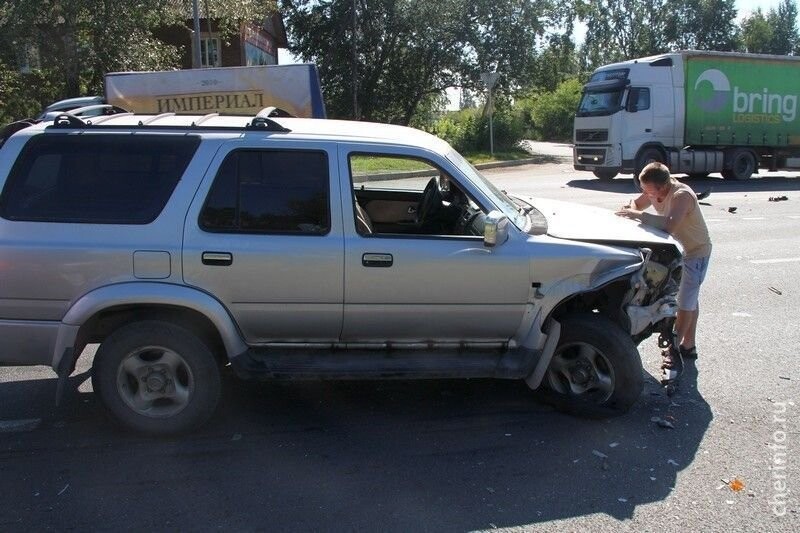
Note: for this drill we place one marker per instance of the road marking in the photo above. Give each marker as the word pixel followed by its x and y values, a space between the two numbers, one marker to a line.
pixel 745 315
pixel 771 261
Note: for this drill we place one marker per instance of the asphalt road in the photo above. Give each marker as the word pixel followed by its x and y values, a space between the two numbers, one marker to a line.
pixel 461 455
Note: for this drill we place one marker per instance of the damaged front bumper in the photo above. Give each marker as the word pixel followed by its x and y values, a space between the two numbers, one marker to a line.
pixel 653 296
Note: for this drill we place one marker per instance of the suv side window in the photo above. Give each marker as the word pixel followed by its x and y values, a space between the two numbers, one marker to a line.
pixel 97 179
pixel 270 191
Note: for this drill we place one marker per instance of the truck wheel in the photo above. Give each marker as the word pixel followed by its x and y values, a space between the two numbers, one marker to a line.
pixel 596 370
pixel 605 175
pixel 156 378
pixel 743 165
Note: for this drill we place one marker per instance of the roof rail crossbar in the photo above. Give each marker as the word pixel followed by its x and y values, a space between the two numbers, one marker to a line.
pixel 266 124
pixel 204 118
pixel 102 118
pixel 273 111
pixel 155 118
pixel 67 120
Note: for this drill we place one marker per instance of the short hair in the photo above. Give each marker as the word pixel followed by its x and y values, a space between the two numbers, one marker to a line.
pixel 655 173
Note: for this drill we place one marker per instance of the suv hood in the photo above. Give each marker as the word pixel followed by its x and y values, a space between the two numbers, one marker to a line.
pixel 567 220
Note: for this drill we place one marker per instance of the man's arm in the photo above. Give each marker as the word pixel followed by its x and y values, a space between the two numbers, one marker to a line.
pixel 680 207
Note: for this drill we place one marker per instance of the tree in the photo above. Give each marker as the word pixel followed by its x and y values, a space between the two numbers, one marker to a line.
pixel 409 51
pixel 773 33
pixel 78 41
pixel 757 34
pixel 702 25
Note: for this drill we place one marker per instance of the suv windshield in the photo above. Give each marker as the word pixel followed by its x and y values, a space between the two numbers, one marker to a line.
pixel 498 197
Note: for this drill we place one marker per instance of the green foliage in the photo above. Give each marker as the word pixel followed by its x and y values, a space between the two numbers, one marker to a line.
pixel 468 130
pixel 395 54
pixel 78 41
pixel 773 33
pixel 552 113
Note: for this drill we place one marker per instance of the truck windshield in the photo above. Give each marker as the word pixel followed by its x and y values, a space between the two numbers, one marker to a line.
pixel 596 103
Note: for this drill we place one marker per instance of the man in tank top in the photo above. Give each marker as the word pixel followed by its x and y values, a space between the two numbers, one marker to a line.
pixel 678 213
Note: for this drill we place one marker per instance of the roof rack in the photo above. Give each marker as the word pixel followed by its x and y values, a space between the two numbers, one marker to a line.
pixel 70 119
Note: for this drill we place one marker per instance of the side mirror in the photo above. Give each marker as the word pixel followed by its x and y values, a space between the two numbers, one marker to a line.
pixel 495 229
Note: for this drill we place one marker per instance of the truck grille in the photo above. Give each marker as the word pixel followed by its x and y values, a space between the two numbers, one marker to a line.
pixel 591 136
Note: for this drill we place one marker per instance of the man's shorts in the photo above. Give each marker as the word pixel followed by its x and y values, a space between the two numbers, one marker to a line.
pixel 694 272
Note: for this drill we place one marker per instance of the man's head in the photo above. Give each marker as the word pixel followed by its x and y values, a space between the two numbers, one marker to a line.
pixel 655 180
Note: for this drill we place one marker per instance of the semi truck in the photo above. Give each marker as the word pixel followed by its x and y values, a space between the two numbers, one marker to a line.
pixel 698 112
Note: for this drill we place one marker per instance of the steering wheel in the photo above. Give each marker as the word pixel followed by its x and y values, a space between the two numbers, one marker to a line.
pixel 430 205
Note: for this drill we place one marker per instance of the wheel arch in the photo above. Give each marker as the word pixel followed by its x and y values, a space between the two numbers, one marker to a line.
pixel 98 313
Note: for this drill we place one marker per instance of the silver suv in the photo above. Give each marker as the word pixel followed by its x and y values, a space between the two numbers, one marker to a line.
pixel 306 249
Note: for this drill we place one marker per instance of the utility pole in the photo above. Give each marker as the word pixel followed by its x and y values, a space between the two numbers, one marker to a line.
pixel 354 68
pixel 196 60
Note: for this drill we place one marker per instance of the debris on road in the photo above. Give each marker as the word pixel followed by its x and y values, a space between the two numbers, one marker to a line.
pixel 703 195
pixel 622 500
pixel 613 445
pixel 599 454
pixel 776 291
pixel 732 209
pixel 19 426
pixel 778 198
pixel 62 491
pixel 672 462
pixel 787 378
pixel 736 485
pixel 662 423
pixel 236 436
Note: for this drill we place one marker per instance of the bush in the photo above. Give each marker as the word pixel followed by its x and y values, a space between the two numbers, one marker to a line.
pixel 553 113
pixel 468 130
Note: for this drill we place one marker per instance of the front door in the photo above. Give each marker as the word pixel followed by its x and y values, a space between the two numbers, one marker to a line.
pixel 407 283
pixel 262 237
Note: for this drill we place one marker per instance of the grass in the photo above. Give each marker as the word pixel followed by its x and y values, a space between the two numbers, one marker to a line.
pixel 505 155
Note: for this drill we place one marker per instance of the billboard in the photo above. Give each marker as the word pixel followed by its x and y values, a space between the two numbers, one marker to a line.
pixel 228 90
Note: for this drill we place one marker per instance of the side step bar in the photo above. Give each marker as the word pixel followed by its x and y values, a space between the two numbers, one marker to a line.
pixel 299 364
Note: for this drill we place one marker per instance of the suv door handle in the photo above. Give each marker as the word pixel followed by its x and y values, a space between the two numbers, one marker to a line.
pixel 217 258
pixel 377 260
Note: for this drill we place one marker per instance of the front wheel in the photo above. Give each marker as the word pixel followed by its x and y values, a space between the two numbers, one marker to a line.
pixel 595 371
pixel 156 378
pixel 605 174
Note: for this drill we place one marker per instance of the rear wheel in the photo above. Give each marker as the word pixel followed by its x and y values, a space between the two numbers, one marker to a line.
pixel 596 370
pixel 156 378
pixel 743 165
pixel 605 174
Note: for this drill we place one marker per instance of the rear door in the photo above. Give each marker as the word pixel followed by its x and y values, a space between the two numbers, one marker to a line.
pixel 262 237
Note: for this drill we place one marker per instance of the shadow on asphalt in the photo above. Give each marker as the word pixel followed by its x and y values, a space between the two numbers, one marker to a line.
pixel 440 455
pixel 624 184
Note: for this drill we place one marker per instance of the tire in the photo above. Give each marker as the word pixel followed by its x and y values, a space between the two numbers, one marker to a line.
pixel 743 165
pixel 645 156
pixel 596 370
pixel 605 175
pixel 156 378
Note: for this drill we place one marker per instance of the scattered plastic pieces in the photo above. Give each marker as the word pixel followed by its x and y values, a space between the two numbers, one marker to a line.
pixel 732 209
pixel 660 422
pixel 672 462
pixel 776 291
pixel 736 485
pixel 62 491
pixel 599 454
pixel 778 198
pixel 236 436
pixel 703 195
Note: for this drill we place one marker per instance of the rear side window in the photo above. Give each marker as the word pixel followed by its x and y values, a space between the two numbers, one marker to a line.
pixel 269 191
pixel 99 179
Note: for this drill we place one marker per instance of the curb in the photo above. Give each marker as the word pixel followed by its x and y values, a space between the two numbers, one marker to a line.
pixel 512 163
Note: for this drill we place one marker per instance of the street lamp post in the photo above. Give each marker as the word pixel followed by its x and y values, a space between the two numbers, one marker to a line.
pixel 489 79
